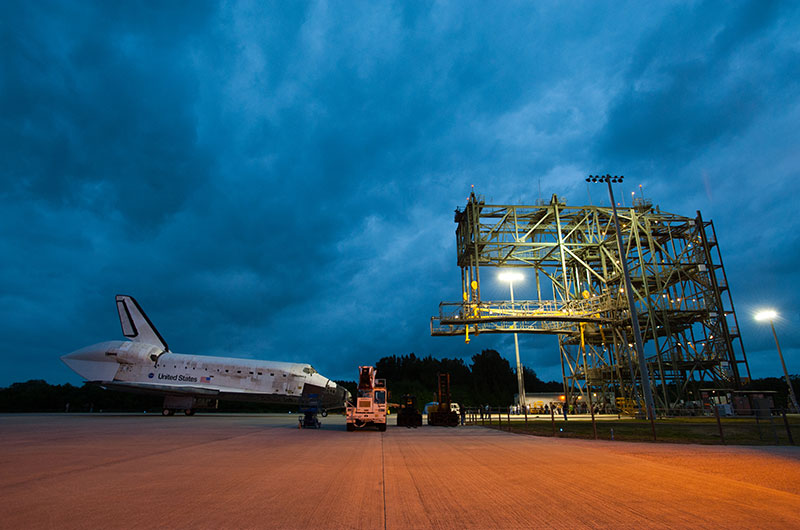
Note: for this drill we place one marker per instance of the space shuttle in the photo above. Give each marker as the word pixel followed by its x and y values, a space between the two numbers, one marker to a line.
pixel 145 364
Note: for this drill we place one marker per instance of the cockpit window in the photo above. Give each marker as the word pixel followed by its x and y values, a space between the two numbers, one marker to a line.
pixel 309 370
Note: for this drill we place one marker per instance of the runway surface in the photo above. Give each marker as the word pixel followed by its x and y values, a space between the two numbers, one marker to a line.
pixel 260 471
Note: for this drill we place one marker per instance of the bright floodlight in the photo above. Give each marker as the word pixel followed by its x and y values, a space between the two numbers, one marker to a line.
pixel 767 314
pixel 510 276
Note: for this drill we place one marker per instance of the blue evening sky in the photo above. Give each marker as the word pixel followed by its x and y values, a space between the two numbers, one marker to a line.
pixel 277 180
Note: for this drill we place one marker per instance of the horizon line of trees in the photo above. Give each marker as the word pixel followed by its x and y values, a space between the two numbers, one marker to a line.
pixel 488 379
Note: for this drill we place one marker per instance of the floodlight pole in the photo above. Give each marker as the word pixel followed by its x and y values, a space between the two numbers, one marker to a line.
pixel 644 372
pixel 785 372
pixel 520 379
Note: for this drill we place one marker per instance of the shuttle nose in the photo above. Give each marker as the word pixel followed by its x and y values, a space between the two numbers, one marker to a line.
pixel 336 399
pixel 343 395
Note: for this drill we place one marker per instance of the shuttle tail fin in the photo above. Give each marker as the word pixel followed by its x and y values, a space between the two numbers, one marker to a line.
pixel 135 324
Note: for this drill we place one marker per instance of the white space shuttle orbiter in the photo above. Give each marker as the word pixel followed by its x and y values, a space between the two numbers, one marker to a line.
pixel 144 364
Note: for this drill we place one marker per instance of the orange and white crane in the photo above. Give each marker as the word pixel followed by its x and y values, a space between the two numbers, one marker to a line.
pixel 370 407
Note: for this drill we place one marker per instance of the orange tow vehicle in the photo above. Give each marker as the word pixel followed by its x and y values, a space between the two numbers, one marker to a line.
pixel 370 407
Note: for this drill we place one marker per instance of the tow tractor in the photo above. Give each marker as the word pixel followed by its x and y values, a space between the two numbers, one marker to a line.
pixel 370 407
pixel 409 415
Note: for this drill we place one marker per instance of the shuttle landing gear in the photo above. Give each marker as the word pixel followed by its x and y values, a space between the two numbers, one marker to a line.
pixel 187 404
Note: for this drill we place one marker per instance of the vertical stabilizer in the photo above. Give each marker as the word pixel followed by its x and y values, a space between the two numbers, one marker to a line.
pixel 135 324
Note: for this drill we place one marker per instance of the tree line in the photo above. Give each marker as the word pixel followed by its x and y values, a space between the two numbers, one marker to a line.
pixel 38 396
pixel 488 379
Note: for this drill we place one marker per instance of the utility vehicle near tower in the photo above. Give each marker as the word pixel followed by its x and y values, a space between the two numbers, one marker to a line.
pixel 370 407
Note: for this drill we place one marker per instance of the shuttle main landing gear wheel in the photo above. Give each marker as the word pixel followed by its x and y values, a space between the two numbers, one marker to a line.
pixel 185 404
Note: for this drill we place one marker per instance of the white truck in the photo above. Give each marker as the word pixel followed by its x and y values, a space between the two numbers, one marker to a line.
pixel 370 407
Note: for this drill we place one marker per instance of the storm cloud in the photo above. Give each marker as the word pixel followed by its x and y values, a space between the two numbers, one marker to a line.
pixel 277 180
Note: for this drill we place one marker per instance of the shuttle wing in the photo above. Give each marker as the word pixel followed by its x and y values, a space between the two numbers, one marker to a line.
pixel 162 389
pixel 135 324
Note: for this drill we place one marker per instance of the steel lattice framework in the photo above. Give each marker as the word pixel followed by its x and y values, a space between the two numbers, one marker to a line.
pixel 685 308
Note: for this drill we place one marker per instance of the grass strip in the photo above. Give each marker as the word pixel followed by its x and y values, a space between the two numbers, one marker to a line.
pixel 737 431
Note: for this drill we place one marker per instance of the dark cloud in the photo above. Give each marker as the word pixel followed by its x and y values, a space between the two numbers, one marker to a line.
pixel 699 77
pixel 99 109
pixel 278 181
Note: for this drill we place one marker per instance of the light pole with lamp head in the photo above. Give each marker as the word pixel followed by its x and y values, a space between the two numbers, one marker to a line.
pixel 511 277
pixel 644 373
pixel 770 315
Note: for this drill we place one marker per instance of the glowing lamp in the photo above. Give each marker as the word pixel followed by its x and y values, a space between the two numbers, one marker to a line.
pixel 767 314
pixel 510 276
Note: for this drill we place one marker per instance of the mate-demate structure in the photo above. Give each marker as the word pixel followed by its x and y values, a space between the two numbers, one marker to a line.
pixel 685 309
